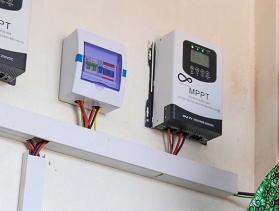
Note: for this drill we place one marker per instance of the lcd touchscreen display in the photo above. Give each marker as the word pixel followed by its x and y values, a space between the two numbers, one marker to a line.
pixel 200 58
pixel 102 66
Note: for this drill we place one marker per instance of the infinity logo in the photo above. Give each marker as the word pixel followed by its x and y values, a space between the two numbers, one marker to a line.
pixel 183 78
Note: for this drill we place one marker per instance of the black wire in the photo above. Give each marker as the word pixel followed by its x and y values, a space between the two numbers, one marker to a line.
pixel 150 65
pixel 94 117
pixel 184 138
pixel 92 121
pixel 38 145
pixel 245 194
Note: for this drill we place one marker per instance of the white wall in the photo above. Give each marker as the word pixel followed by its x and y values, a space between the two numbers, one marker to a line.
pixel 73 184
pixel 266 150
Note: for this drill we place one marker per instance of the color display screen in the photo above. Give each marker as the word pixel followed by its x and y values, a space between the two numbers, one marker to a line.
pixel 102 66
pixel 199 58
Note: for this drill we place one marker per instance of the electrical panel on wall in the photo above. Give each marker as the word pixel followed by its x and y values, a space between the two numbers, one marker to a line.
pixel 14 27
pixel 186 87
pixel 93 71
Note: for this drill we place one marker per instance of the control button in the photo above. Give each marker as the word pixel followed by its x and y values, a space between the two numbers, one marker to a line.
pixel 197 71
pixel 202 72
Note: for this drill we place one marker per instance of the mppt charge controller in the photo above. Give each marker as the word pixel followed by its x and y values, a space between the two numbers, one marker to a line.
pixel 14 28
pixel 186 87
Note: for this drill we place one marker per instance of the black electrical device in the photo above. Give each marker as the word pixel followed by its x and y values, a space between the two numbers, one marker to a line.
pixel 12 64
pixel 14 28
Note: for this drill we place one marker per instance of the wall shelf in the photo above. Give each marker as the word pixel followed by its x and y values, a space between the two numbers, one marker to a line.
pixel 107 150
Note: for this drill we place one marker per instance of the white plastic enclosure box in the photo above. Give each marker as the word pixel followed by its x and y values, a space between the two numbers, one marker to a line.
pixel 93 69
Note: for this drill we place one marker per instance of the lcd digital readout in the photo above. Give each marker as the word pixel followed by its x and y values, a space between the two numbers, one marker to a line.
pixel 200 58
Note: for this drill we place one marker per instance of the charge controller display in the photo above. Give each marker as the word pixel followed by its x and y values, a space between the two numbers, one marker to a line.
pixel 199 62
pixel 186 87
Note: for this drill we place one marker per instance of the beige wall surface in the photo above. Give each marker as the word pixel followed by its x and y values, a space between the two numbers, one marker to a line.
pixel 266 133
pixel 73 184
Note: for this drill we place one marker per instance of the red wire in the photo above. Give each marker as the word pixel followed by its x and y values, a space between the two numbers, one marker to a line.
pixel 181 145
pixel 31 144
pixel 169 140
pixel 79 104
pixel 41 146
pixel 30 147
pixel 178 143
pixel 91 114
pixel 164 140
pixel 35 148
pixel 83 113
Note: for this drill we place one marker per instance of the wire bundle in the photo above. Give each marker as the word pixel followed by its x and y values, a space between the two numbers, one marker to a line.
pixel 91 120
pixel 174 146
pixel 35 147
pixel 245 195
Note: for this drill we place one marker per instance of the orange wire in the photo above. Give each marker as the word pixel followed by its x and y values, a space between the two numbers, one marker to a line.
pixel 30 148
pixel 83 113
